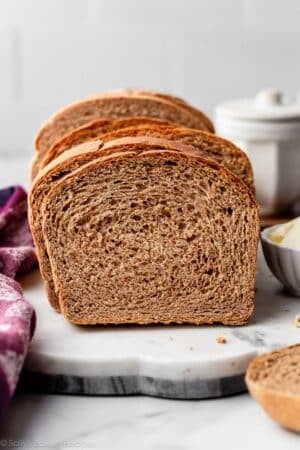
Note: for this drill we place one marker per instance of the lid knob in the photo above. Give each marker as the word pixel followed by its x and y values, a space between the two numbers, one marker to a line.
pixel 268 97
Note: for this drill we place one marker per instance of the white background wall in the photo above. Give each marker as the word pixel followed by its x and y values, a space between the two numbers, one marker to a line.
pixel 55 51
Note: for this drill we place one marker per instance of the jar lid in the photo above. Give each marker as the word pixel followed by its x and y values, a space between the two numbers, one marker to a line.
pixel 266 105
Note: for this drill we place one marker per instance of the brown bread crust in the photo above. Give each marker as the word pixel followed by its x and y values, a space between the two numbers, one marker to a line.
pixel 211 146
pixel 115 105
pixel 88 132
pixel 179 101
pixel 273 381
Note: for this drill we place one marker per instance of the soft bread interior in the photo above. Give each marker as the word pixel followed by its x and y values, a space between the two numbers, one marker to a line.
pixel 273 379
pixel 151 237
pixel 279 371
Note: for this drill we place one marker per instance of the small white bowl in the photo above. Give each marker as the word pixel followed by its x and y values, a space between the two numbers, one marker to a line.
pixel 284 262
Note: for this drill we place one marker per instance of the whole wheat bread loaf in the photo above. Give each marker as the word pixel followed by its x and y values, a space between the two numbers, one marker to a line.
pixel 273 379
pixel 211 146
pixel 150 232
pixel 90 131
pixel 63 165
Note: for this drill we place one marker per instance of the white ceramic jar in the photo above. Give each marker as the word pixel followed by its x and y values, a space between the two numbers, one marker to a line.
pixel 268 130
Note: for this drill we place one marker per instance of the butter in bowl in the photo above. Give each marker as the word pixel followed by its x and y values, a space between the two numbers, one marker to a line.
pixel 281 247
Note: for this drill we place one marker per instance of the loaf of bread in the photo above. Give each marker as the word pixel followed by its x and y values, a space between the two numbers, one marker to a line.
pixel 273 379
pixel 114 105
pixel 141 215
pixel 206 144
pixel 148 231
pixel 210 146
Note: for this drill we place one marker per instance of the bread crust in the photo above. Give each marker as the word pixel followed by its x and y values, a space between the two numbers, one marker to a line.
pixel 176 133
pixel 179 101
pixel 79 135
pixel 165 131
pixel 111 150
pixel 198 120
pixel 281 406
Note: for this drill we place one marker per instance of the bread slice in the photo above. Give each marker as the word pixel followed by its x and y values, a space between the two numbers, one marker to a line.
pixel 211 146
pixel 88 132
pixel 273 379
pixel 119 104
pixel 152 233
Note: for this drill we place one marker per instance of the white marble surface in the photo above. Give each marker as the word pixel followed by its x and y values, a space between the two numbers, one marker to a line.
pixel 143 423
pixel 66 422
pixel 184 357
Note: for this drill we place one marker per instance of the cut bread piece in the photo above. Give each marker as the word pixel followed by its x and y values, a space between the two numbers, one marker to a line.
pixel 88 132
pixel 273 379
pixel 211 146
pixel 152 233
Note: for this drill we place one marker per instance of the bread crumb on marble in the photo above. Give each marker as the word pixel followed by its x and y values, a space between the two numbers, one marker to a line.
pixel 297 321
pixel 221 340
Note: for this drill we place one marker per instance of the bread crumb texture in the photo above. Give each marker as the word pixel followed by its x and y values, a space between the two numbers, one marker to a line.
pixel 221 340
pixel 151 238
pixel 278 370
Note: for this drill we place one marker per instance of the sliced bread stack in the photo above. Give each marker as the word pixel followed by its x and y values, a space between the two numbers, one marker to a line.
pixel 153 223
pixel 127 103
pixel 210 146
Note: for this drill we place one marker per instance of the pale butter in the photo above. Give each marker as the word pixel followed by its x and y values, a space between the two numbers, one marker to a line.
pixel 287 234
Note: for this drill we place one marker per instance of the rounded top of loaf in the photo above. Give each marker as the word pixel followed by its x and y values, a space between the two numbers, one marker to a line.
pixel 212 146
pixel 182 113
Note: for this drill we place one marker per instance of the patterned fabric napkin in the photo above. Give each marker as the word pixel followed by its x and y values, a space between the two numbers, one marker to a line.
pixel 17 317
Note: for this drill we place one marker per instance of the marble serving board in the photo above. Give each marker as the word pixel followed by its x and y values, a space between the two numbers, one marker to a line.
pixel 167 361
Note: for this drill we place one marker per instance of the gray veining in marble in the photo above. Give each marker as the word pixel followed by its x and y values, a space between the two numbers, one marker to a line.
pixel 133 385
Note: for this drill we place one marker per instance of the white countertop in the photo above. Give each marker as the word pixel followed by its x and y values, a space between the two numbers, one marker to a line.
pixel 66 422
pixel 143 423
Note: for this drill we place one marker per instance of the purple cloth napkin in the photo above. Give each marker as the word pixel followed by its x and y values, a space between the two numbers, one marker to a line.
pixel 17 317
